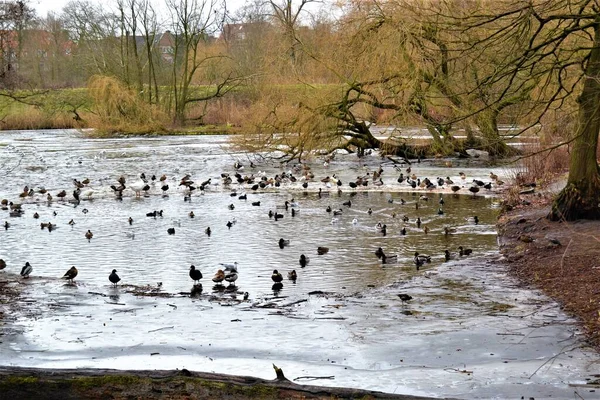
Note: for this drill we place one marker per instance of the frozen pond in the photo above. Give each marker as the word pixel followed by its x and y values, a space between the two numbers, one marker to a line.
pixel 468 332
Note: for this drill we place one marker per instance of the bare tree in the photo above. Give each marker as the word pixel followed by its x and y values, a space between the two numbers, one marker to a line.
pixel 194 22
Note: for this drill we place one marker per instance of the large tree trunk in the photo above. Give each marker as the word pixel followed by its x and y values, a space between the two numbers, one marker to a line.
pixel 581 197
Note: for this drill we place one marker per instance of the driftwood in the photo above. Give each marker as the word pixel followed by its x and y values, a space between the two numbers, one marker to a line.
pixel 55 384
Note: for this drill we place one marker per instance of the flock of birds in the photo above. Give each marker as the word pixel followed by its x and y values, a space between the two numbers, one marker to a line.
pixel 229 272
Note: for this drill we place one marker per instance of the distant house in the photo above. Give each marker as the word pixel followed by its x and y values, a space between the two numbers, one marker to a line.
pixel 164 43
pixel 239 32
pixel 36 43
pixel 166 46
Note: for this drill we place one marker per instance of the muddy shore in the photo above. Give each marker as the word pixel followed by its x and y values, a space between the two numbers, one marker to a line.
pixel 562 259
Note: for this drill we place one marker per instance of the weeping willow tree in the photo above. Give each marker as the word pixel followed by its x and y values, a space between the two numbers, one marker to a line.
pixel 117 108
pixel 398 63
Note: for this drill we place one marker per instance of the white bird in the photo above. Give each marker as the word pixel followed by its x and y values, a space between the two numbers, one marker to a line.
pixel 137 187
pixel 355 221
pixel 230 267
pixel 88 193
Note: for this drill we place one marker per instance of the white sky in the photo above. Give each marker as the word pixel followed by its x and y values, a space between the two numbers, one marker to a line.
pixel 42 7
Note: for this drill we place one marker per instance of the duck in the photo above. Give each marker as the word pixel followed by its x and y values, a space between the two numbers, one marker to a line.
pixel 72 222
pixel 283 242
pixel 208 231
pixel 191 214
pixel 276 276
pixel 383 230
pixel 493 176
pixel 447 255
pixel 448 231
pixel 219 276
pixel 474 190
pixel 292 275
pixel 171 231
pixel 303 260
pixel 70 274
pixel 419 260
pixel 231 277
pixel 114 278
pixel 26 270
pixel 379 253
pixel 322 250
pixel 464 252
pixel 88 235
pixel 36 215
pixel 389 259
pixel 418 222
pixel 426 229
pixel 405 297
pixel 455 188
pixel 130 220
pixel 2 264
pixel 195 274
pixel 403 231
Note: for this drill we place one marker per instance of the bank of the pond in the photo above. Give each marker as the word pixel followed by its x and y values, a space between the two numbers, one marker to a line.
pixel 42 384
pixel 560 258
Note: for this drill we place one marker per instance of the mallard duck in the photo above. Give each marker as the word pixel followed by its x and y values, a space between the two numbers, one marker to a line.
pixel 70 274
pixel 419 260
pixel 195 274
pixel 231 277
pixel 493 176
pixel 62 194
pixel 303 260
pixel 322 250
pixel 292 276
pixel 464 252
pixel 276 276
pixel 191 214
pixel 448 231
pixel 26 270
pixel 171 231
pixel 404 297
pixel 385 259
pixel 219 276
pixel 2 264
pixel 88 235
pixel 114 278
pixel 283 242
pixel 369 211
